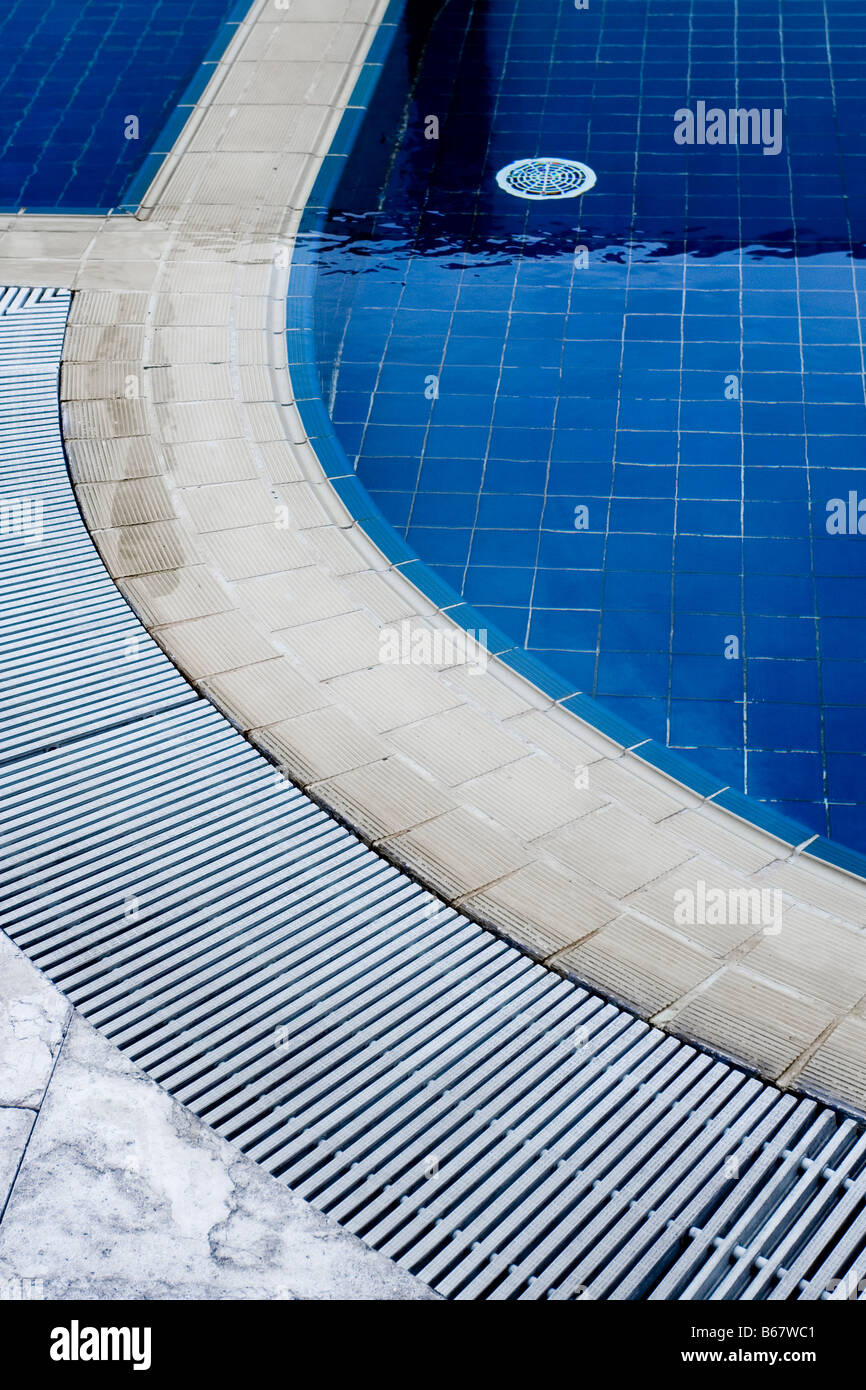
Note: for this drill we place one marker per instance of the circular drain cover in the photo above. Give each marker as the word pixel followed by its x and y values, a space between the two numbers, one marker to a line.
pixel 545 178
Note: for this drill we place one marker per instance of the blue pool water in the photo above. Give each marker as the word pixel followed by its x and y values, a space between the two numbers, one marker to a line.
pixel 71 72
pixel 693 379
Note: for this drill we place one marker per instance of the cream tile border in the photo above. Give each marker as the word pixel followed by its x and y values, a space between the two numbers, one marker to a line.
pixel 210 509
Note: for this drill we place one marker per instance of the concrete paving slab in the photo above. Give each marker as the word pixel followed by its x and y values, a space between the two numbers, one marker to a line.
pixel 123 1194
pixel 33 1019
pixel 15 1127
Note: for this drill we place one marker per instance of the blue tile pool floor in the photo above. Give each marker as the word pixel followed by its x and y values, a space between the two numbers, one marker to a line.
pixel 71 73
pixel 621 425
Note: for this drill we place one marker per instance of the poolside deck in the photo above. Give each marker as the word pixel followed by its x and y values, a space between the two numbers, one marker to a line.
pixel 185 445
pixel 466 780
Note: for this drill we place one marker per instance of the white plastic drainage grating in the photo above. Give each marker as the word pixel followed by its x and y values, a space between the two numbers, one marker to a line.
pixel 499 1131
pixel 545 178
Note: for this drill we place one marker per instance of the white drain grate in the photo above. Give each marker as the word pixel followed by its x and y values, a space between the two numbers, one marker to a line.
pixel 542 179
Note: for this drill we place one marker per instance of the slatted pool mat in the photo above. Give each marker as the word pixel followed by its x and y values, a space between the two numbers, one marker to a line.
pixel 499 1131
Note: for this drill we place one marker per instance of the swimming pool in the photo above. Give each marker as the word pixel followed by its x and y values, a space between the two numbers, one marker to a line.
pixel 628 426
pixel 87 87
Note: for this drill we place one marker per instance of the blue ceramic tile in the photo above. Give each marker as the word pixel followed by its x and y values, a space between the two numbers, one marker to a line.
pixel 508 385
pixel 73 75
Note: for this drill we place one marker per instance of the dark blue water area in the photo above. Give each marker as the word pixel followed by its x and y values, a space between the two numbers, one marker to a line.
pixel 693 378
pixel 71 73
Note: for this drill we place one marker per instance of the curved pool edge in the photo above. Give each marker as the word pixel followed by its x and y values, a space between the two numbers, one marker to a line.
pixel 191 543
pixel 358 502
pixel 495 1131
pixel 98 1159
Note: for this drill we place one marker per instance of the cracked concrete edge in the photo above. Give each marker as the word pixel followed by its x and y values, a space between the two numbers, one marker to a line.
pixel 111 1189
pixel 211 511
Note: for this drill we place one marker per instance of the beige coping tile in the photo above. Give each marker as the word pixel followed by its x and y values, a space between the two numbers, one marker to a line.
pixel 187 275
pixel 380 595
pixel 193 226
pixel 265 422
pixel 28 239
pixel 53 221
pixel 305 503
pixel 256 383
pixel 173 346
pixel 85 381
pixel 218 177
pixel 543 908
pixel 321 744
pixel 752 1021
pixel 112 419
pixel 693 881
pixel 562 736
pixel 531 797
pixel 229 506
pixel 255 280
pixel 384 798
pixel 254 550
pixel 624 780
pixel 110 307
pixel 458 853
pixel 208 646
pixel 253 348
pixel 340 554
pixel 840 895
pixel 255 313
pixel 128 238
pixel 335 646
pixel 313 80
pixel 293 179
pixel 183 424
pixel 52 274
pixel 836 1068
pixel 267 693
pixel 616 849
pixel 487 691
pixel 294 432
pixel 253 128
pixel 279 461
pixel 306 457
pixel 95 274
pixel 710 829
pixel 638 963
pixel 127 502
pixel 103 342
pixel 458 744
pixel 199 381
pixel 197 240
pixel 454 650
pixel 111 460
pixel 175 596
pixel 388 697
pixel 157 545
pixel 210 461
pixel 287 601
pixel 190 311
pixel 816 957
pixel 329 39
pixel 363 11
